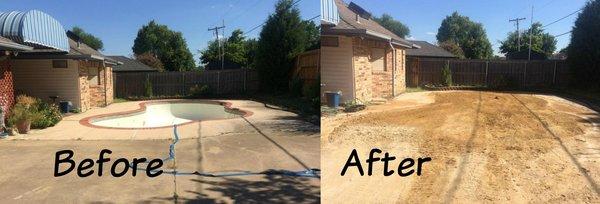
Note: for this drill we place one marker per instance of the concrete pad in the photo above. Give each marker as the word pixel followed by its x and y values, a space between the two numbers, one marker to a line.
pixel 268 140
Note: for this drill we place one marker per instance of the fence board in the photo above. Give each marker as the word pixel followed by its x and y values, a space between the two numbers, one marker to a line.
pixel 173 84
pixel 488 72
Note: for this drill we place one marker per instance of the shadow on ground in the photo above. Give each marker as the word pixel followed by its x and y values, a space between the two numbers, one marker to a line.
pixel 271 189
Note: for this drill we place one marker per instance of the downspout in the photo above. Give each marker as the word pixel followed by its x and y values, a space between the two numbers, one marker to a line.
pixel 393 68
pixel 105 82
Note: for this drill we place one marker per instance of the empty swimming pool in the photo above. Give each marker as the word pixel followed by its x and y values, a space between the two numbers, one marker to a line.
pixel 165 114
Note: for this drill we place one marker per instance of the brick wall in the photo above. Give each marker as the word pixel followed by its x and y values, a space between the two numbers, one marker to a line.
pixel 95 95
pixel 377 84
pixel 362 70
pixel 7 97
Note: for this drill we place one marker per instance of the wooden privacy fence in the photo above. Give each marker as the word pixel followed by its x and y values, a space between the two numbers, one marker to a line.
pixel 307 66
pixel 488 72
pixel 223 82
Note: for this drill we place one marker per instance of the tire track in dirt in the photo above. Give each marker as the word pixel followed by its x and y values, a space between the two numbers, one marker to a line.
pixel 574 160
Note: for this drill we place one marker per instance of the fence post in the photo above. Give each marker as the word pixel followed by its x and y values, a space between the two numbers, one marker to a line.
pixel 554 75
pixel 525 74
pixel 218 82
pixel 245 76
pixel 487 65
pixel 183 83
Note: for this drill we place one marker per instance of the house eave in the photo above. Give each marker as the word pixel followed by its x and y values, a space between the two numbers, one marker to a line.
pixel 14 46
pixel 370 33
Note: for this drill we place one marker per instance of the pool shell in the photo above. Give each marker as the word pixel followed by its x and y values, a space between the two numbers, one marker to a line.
pixel 227 105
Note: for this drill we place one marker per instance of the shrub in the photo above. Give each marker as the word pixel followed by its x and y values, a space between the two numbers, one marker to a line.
pixel 25 110
pixel 49 115
pixel 198 90
pixel 312 90
pixel 446 76
pixel 148 88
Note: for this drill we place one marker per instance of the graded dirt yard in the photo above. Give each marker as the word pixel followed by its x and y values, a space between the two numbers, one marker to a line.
pixel 485 147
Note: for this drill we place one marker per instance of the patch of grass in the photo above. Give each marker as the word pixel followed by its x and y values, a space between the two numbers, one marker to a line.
pixel 119 100
pixel 414 89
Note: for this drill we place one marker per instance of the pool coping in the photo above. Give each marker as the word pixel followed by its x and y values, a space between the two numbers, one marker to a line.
pixel 142 107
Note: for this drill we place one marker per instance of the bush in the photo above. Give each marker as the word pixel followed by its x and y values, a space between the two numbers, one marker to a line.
pixel 446 76
pixel 25 110
pixel 49 115
pixel 198 90
pixel 148 88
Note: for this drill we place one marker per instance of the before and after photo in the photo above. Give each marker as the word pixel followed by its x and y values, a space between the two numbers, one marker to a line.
pixel 300 101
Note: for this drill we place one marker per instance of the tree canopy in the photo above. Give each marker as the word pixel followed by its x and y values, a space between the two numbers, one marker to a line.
pixel 167 45
pixel 388 22
pixel 236 52
pixel 283 36
pixel 468 35
pixel 583 53
pixel 541 41
pixel 87 38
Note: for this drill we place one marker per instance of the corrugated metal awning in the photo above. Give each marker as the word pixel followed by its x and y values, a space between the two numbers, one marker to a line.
pixel 329 12
pixel 34 28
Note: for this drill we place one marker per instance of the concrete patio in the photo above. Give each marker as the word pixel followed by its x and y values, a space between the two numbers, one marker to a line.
pixel 270 139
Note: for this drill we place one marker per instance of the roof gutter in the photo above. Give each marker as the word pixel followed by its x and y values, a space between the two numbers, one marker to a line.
pixel 14 46
pixel 370 33
pixel 74 57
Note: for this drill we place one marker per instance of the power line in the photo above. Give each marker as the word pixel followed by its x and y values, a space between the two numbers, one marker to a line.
pixel 263 23
pixel 560 19
pixel 562 34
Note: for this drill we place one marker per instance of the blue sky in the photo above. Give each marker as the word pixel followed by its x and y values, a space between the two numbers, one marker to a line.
pixel 424 17
pixel 117 22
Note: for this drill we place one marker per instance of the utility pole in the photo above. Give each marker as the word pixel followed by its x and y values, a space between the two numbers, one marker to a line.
pixel 516 20
pixel 216 29
pixel 530 32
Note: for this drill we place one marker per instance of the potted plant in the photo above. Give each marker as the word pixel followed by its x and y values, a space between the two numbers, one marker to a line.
pixel 23 114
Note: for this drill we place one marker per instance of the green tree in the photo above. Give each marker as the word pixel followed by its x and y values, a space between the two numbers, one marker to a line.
pixel 388 22
pixel 169 46
pixel 314 35
pixel 470 36
pixel 540 42
pixel 89 39
pixel 583 53
pixel 282 38
pixel 251 46
pixel 235 53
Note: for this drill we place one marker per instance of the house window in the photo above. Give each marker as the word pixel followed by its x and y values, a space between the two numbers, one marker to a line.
pixel 93 76
pixel 330 41
pixel 60 64
pixel 378 59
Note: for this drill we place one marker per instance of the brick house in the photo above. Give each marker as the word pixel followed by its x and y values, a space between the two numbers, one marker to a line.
pixel 59 65
pixel 359 57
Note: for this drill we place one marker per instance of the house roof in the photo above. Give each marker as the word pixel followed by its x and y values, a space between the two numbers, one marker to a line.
pixel 77 50
pixel 428 50
pixel 7 44
pixel 33 28
pixel 130 65
pixel 356 21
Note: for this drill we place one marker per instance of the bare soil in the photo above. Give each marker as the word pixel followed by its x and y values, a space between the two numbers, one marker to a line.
pixel 485 146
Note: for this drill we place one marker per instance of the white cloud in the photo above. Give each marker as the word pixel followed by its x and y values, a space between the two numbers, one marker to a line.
pixel 430 33
pixel 411 38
